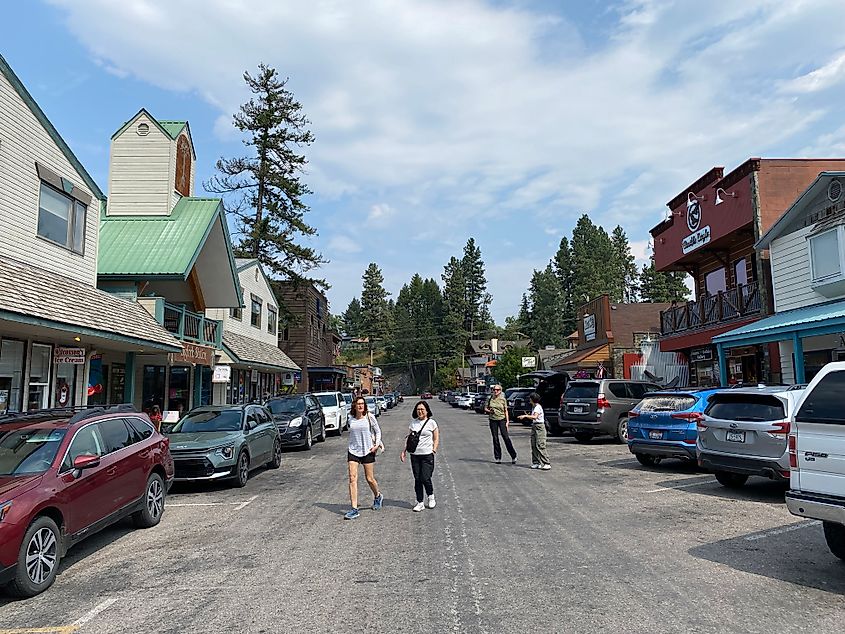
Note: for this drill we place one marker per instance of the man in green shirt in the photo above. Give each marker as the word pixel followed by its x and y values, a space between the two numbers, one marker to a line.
pixel 497 410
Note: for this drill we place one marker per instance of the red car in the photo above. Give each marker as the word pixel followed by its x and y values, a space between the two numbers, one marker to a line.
pixel 425 395
pixel 65 476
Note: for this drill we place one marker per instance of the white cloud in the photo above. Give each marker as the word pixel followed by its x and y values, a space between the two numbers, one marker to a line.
pixel 466 113
pixel 342 244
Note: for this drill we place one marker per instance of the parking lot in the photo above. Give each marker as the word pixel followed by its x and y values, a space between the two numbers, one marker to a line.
pixel 598 543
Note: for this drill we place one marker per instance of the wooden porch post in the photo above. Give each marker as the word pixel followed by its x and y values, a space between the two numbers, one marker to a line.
pixel 798 353
pixel 129 378
pixel 723 365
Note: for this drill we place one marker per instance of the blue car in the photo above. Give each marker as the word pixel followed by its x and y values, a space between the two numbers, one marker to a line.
pixel 664 424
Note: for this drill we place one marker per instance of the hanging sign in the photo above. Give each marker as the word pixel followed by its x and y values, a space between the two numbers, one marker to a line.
pixel 222 374
pixel 193 354
pixel 63 354
pixel 254 376
pixel 696 240
pixel 529 362
pixel 589 327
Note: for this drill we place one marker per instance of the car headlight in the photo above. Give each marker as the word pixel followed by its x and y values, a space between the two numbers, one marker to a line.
pixel 295 422
pixel 226 452
pixel 4 510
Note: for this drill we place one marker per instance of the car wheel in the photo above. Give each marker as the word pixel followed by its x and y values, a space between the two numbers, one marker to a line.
pixel 242 474
pixel 153 506
pixel 322 436
pixel 622 430
pixel 38 559
pixel 731 480
pixel 834 535
pixel 309 441
pixel 276 462
pixel 646 460
pixel 582 437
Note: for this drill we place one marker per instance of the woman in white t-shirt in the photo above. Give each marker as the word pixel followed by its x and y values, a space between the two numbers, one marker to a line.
pixel 539 455
pixel 422 458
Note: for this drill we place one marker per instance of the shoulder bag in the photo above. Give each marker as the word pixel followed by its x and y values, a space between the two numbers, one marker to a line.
pixel 412 440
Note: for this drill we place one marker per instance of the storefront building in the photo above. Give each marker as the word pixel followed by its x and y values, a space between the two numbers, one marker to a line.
pixel 807 252
pixel 171 253
pixel 55 325
pixel 710 233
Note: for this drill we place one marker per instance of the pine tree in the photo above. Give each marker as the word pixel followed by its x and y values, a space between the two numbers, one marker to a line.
pixel 624 269
pixel 454 336
pixel 477 315
pixel 375 311
pixel 563 270
pixel 658 286
pixel 265 190
pixel 592 252
pixel 352 318
pixel 546 325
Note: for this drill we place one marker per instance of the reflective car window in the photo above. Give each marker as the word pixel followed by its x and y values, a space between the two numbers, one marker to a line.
pixel 143 429
pixel 290 405
pixel 618 390
pixel 824 404
pixel 115 434
pixel 582 390
pixel 210 420
pixel 666 403
pixel 745 407
pixel 28 450
pixel 86 442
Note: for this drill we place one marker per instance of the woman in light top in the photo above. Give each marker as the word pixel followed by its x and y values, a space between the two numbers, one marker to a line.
pixel 364 441
pixel 423 427
pixel 539 455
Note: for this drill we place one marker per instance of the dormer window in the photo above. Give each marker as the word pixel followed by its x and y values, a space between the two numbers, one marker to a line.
pixel 61 219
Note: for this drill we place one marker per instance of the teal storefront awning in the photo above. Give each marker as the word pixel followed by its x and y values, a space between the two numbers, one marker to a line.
pixel 821 319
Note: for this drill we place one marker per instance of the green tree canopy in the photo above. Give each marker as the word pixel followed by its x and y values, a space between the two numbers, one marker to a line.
pixel 510 365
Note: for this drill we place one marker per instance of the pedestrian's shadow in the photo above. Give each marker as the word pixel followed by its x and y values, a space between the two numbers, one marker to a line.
pixel 341 509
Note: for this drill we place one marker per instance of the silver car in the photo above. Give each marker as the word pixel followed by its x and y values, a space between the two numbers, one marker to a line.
pixel 743 433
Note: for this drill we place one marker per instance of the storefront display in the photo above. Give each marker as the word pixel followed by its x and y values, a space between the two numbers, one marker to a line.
pixel 11 375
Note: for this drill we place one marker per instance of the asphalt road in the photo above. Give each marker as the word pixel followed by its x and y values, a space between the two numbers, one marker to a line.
pixel 597 544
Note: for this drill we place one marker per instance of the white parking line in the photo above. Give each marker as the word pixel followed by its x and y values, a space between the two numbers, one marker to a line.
pixel 238 505
pixel 245 504
pixel 82 620
pixel 785 529
pixel 682 486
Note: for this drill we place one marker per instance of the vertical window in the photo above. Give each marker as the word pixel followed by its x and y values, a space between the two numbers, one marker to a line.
pixel 715 281
pixel 153 386
pixel 236 313
pixel 272 320
pixel 741 272
pixel 11 375
pixel 39 377
pixel 824 255
pixel 65 388
pixel 61 219
pixel 255 316
pixel 286 334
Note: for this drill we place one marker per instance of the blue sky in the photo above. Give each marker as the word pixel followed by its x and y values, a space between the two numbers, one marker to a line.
pixel 437 120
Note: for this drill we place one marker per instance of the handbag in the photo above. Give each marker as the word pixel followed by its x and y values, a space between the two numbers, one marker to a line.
pixel 380 448
pixel 412 440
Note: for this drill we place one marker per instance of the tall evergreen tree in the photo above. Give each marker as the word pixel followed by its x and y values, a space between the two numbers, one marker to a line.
pixel 264 190
pixel 454 336
pixel 592 251
pixel 624 269
pixel 375 310
pixel 351 318
pixel 546 326
pixel 565 275
pixel 658 286
pixel 477 316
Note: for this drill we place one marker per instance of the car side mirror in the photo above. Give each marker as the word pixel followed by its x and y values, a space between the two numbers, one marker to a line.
pixel 86 461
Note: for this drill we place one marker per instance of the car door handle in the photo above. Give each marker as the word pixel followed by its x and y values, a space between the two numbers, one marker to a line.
pixel 111 471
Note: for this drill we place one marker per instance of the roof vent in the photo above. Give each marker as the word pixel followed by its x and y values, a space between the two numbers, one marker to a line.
pixel 834 190
pixel 143 129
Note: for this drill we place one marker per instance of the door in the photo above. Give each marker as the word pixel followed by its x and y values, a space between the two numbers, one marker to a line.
pixel 257 436
pixel 315 415
pixel 127 467
pixel 90 496
pixel 820 426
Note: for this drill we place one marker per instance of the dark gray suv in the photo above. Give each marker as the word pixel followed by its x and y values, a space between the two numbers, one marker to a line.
pixel 600 406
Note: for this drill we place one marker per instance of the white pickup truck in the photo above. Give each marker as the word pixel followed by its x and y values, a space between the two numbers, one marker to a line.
pixel 817 455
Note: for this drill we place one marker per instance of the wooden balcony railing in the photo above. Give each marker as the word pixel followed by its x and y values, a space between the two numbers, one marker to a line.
pixel 711 310
pixel 190 326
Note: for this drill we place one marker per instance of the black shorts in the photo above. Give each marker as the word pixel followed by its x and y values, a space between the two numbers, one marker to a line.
pixel 370 458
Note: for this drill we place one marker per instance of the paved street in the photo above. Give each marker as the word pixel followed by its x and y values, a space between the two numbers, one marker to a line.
pixel 598 544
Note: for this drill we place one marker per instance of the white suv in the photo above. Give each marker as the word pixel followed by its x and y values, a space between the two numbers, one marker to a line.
pixel 334 409
pixel 817 455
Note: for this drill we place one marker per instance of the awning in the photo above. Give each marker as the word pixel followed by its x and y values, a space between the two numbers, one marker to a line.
pixel 821 319
pixel 586 358
pixel 327 370
pixel 257 354
pixel 491 364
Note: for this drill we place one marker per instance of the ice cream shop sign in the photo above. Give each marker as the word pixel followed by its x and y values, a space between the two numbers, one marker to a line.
pixel 64 354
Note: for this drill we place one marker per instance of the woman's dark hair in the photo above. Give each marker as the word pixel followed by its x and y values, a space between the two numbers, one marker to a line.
pixel 355 401
pixel 534 397
pixel 155 410
pixel 427 409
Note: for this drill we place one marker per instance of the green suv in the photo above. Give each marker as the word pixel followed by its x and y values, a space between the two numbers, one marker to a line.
pixel 224 442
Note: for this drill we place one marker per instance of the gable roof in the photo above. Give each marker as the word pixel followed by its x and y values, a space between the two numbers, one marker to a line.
pixel 243 264
pixel 36 110
pixel 797 208
pixel 172 129
pixel 158 245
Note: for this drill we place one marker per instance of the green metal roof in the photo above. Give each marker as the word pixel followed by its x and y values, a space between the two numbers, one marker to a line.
pixel 173 128
pixel 157 245
pixel 36 110
pixel 806 322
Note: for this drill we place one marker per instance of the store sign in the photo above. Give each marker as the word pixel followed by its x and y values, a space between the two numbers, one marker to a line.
pixel 693 214
pixel 589 327
pixel 744 351
pixel 696 240
pixel 529 362
pixel 222 374
pixel 287 379
pixel 62 354
pixel 193 354
pixel 698 355
pixel 253 378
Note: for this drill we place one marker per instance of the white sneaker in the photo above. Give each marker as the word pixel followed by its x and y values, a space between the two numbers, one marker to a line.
pixel 546 467
pixel 535 466
pixel 419 507
pixel 431 502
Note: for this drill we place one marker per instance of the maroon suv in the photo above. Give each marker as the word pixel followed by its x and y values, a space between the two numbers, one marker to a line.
pixel 65 476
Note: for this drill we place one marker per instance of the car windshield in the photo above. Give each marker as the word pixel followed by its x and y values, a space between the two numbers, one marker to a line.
pixel 215 420
pixel 747 407
pixel 347 398
pixel 370 400
pixel 287 405
pixel 582 390
pixel 666 403
pixel 327 400
pixel 27 451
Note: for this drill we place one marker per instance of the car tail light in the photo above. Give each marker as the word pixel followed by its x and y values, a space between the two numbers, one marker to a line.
pixel 602 402
pixel 793 451
pixel 781 427
pixel 633 414
pixel 695 417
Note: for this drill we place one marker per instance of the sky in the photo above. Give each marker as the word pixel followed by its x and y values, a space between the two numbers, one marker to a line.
pixel 440 120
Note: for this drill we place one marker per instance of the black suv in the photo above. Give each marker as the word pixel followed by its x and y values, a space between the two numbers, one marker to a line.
pixel 518 403
pixel 300 419
pixel 550 387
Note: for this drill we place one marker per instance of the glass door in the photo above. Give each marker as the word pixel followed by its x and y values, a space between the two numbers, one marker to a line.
pixel 39 377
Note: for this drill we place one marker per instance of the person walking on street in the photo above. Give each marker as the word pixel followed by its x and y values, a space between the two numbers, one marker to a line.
pixel 497 410
pixel 422 443
pixel 539 455
pixel 364 443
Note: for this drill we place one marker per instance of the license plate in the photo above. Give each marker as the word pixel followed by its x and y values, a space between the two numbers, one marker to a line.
pixel 655 435
pixel 578 410
pixel 735 436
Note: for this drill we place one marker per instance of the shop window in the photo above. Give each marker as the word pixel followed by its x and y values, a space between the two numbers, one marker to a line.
pixel 153 386
pixel 255 316
pixel 179 392
pixel 814 361
pixel 741 272
pixel 11 375
pixel 825 256
pixel 715 281
pixel 65 391
pixel 236 313
pixel 61 219
pixel 39 377
pixel 272 320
